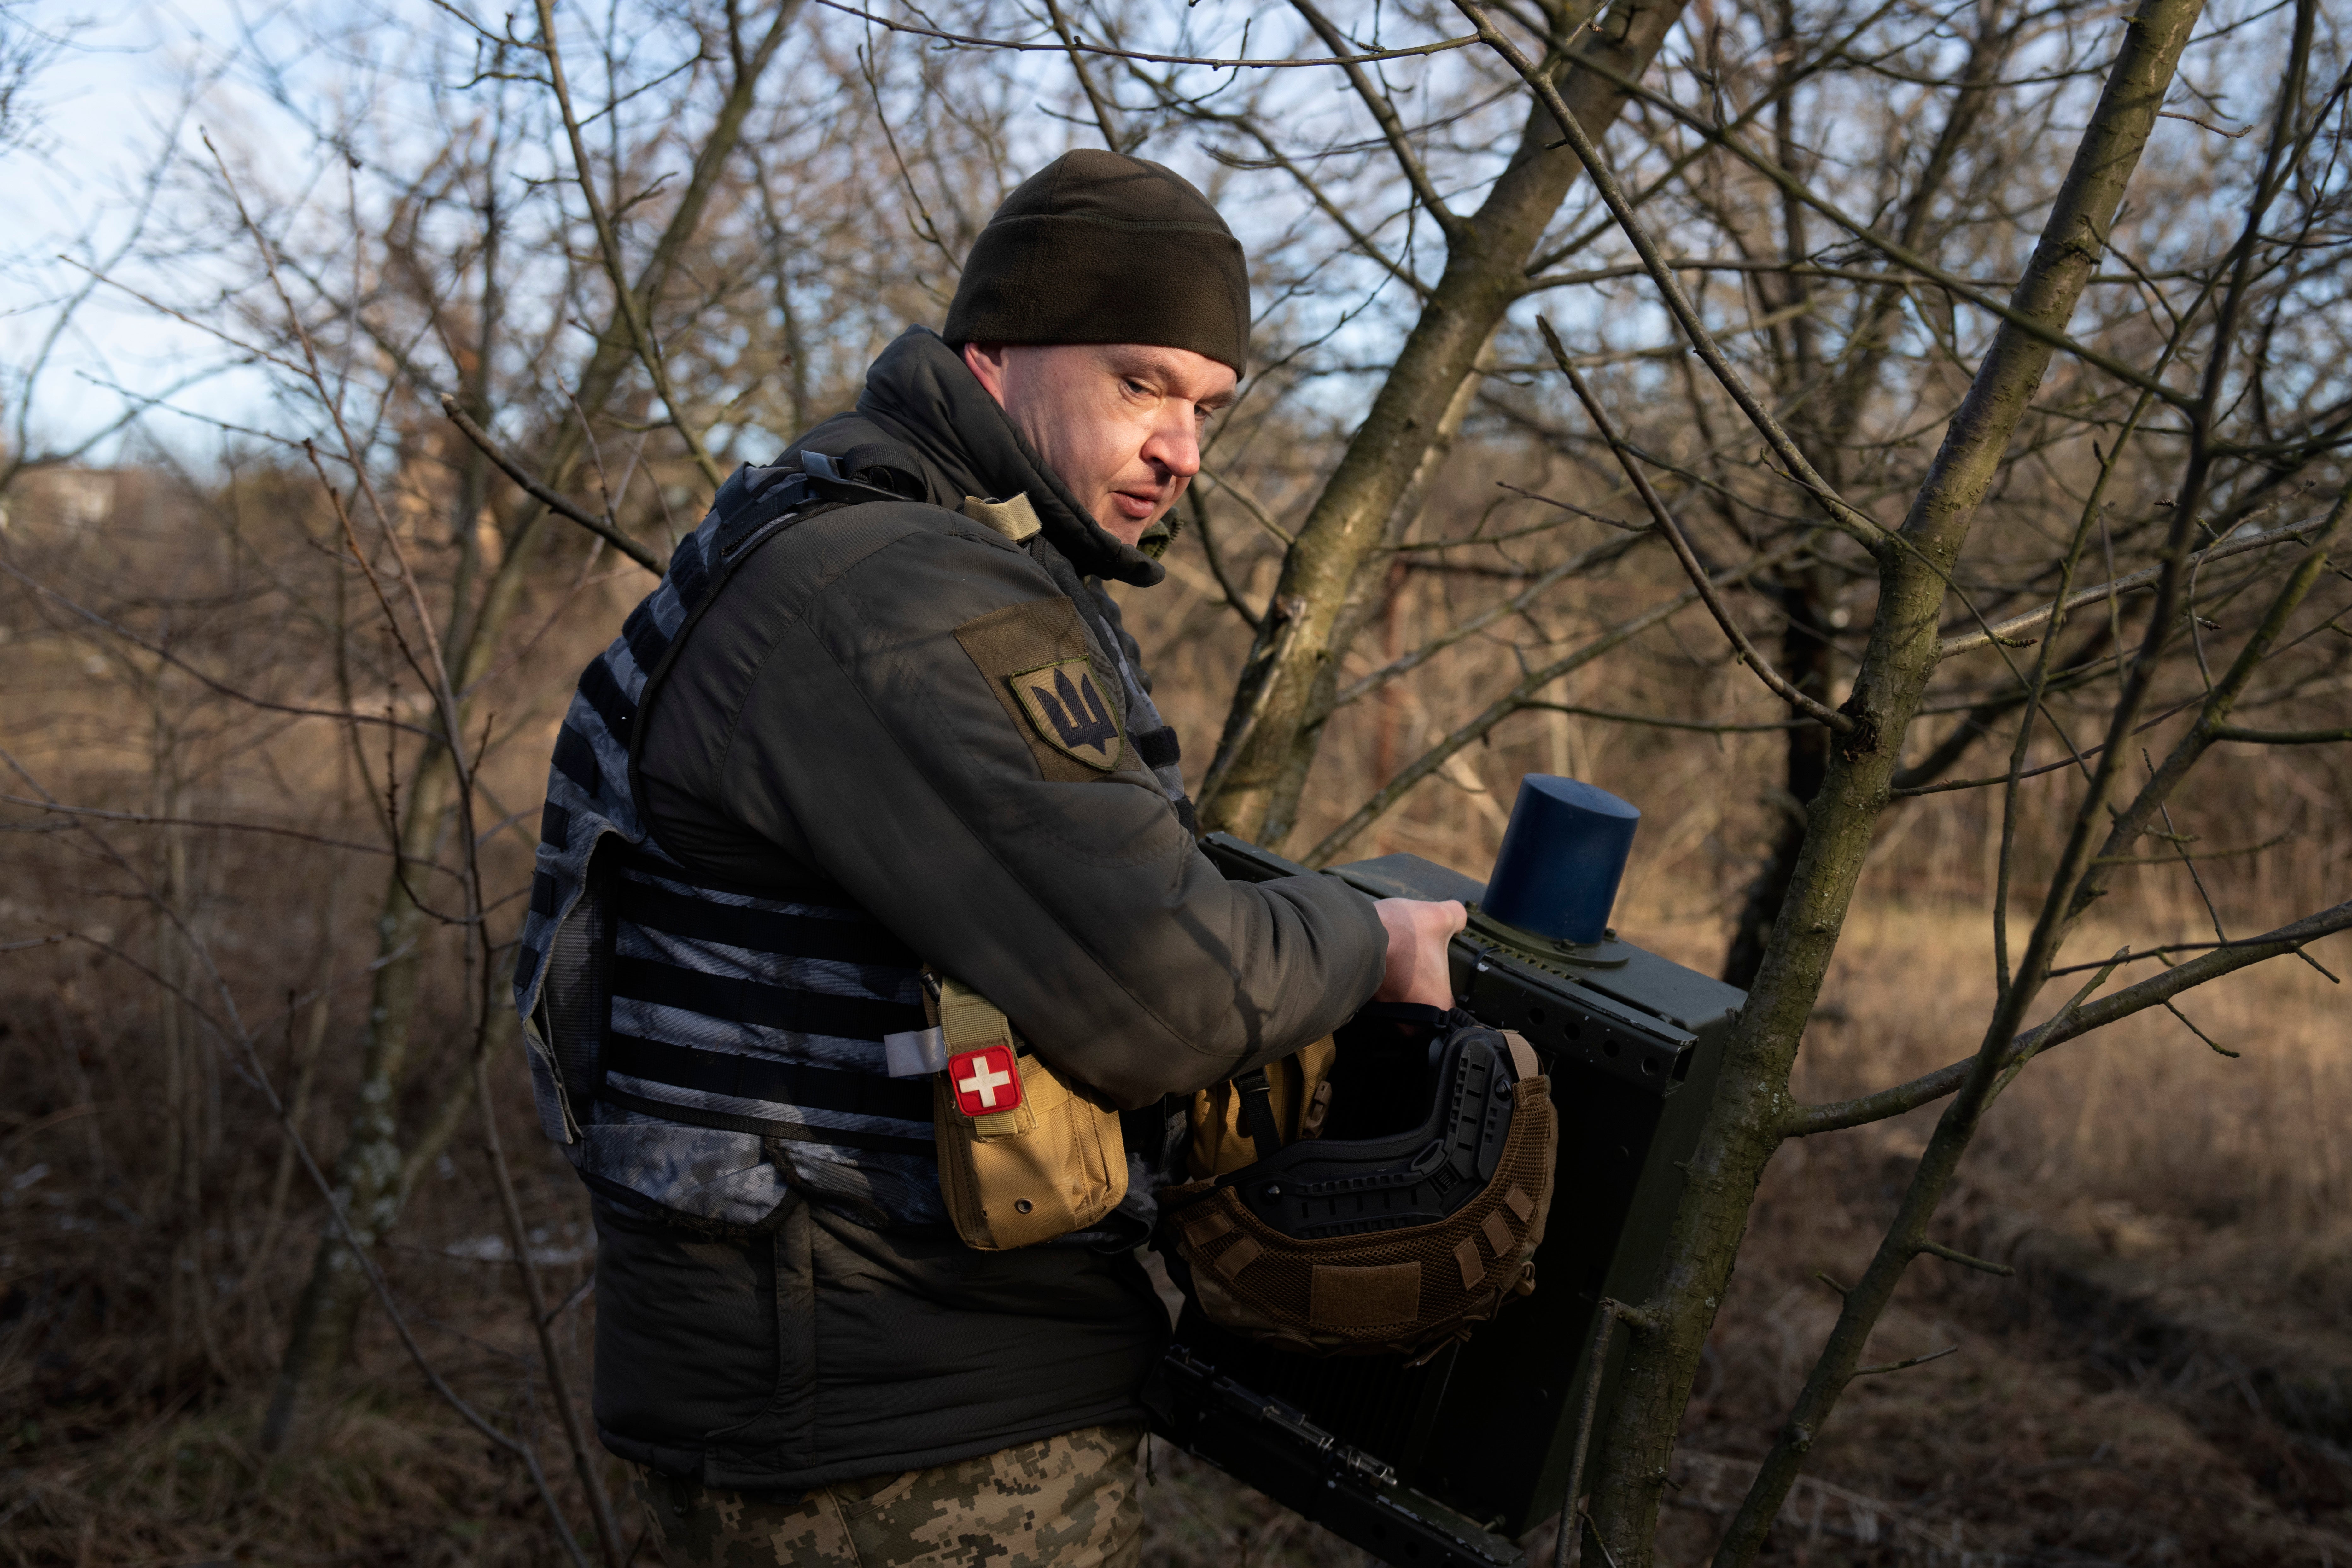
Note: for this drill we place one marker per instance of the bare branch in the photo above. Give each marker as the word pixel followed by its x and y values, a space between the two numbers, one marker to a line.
pixel 1366 57
pixel 1519 696
pixel 1104 118
pixel 608 246
pixel 2011 629
pixel 1818 712
pixel 602 527
pixel 1385 115
pixel 1804 1120
pixel 1966 1260
pixel 1864 528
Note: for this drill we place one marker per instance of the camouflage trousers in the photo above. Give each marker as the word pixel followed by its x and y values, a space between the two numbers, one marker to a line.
pixel 1064 1502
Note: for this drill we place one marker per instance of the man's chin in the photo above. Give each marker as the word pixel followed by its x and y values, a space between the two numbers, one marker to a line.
pixel 1127 530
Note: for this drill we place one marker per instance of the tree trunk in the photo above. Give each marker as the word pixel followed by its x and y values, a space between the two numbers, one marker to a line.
pixel 1830 422
pixel 368 1189
pixel 1805 660
pixel 1285 689
pixel 1745 1126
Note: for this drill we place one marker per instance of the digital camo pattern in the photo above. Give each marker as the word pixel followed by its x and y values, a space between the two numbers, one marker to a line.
pixel 707 1171
pixel 876 1186
pixel 1065 1502
pixel 588 779
pixel 831 976
pixel 722 1156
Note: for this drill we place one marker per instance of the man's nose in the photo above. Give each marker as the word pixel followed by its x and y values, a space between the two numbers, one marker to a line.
pixel 1175 444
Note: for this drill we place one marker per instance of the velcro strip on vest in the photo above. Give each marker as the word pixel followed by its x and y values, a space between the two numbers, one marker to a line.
pixel 576 759
pixel 648 644
pixel 688 579
pixel 743 1001
pixel 1158 748
pixel 604 695
pixel 761 930
pixel 803 1085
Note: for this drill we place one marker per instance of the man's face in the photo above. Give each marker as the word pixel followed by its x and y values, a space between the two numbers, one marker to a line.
pixel 1119 424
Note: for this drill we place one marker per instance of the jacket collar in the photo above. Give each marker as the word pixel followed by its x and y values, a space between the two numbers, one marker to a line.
pixel 921 388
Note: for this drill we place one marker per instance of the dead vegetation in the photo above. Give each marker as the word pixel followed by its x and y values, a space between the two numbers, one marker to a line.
pixel 275 704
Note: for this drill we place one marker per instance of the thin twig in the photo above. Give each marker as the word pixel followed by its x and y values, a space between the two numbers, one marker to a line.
pixel 1251 505
pixel 558 1383
pixel 2010 629
pixel 1818 712
pixel 1412 51
pixel 603 527
pixel 2218 1048
pixel 1519 698
pixel 1803 1120
pixel 1966 1260
pixel 1900 1365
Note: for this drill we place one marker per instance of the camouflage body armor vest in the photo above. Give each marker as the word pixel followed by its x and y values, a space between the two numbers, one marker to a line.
pixel 699 1048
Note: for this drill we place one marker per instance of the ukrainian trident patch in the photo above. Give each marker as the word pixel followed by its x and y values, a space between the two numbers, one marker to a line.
pixel 1066 706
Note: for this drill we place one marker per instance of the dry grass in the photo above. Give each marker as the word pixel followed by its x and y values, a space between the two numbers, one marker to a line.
pixel 2155 1386
pixel 2211 1187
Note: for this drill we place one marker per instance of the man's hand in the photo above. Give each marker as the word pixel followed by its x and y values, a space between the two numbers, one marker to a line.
pixel 1417 932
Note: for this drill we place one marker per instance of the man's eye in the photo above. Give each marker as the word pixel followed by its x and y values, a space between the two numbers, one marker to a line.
pixel 1138 387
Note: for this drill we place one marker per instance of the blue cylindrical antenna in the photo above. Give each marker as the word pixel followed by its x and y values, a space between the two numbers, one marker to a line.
pixel 1562 857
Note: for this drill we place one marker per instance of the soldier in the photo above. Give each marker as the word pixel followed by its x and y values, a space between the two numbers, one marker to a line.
pixel 881 715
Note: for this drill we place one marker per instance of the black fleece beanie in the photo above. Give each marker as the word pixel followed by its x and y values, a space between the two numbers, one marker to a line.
pixel 1100 247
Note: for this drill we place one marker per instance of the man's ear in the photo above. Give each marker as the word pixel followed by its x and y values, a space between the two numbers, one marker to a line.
pixel 987 361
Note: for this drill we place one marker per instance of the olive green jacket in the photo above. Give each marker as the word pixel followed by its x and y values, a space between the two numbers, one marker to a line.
pixel 895 705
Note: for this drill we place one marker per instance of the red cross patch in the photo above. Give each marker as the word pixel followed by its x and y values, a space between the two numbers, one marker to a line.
pixel 986 1081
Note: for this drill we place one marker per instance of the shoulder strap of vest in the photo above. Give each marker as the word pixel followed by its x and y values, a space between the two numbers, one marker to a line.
pixel 752 507
pixel 875 469
pixel 757 503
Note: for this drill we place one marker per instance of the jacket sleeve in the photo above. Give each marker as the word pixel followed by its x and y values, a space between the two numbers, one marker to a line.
pixel 886 735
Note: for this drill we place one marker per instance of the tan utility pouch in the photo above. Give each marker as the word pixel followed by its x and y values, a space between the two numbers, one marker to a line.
pixel 1053 1164
pixel 1300 1086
